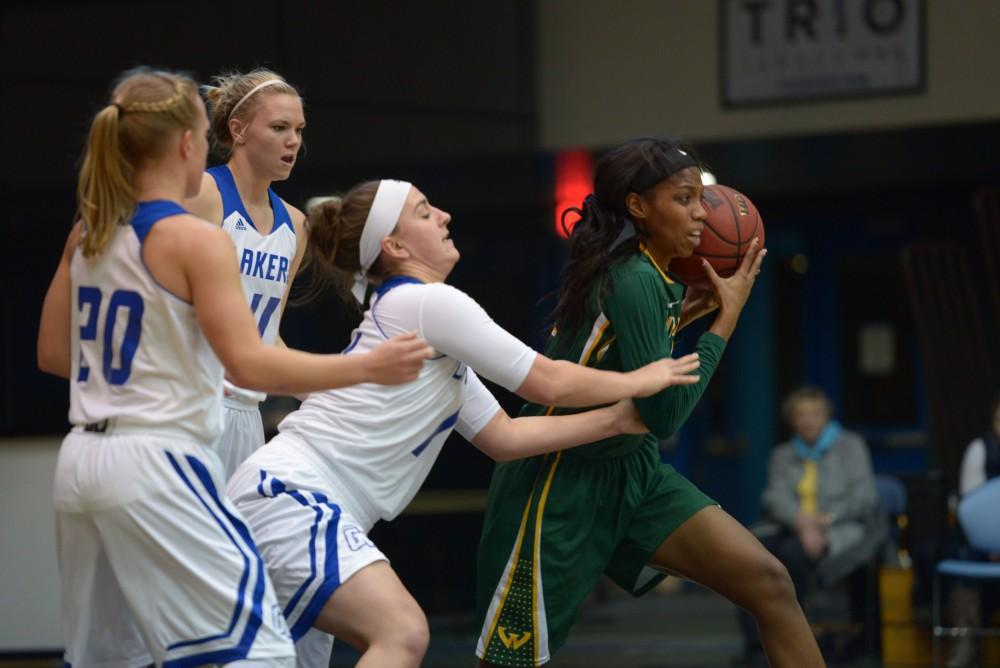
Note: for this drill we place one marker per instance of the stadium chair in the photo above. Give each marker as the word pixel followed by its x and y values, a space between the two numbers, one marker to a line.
pixel 979 517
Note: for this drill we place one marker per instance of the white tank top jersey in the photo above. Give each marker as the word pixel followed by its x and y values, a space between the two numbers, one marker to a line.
pixel 139 358
pixel 376 443
pixel 264 260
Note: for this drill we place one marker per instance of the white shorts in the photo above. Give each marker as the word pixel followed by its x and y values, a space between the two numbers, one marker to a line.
pixel 242 433
pixel 310 542
pixel 156 564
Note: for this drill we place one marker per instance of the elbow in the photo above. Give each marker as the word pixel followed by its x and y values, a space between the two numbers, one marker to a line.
pixel 542 392
pixel 49 361
pixel 241 376
pixel 501 455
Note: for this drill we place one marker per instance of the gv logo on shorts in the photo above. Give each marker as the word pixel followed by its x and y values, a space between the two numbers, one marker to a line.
pixel 513 640
pixel 356 538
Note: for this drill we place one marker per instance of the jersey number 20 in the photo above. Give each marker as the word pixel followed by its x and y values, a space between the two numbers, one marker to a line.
pixel 120 299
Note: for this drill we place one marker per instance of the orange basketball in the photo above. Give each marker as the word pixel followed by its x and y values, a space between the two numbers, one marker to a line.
pixel 732 223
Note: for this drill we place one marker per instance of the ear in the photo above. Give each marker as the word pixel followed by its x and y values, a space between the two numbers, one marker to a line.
pixel 393 248
pixel 636 206
pixel 237 129
pixel 186 143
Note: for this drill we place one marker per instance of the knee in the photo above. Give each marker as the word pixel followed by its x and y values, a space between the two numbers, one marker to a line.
pixel 412 636
pixel 772 585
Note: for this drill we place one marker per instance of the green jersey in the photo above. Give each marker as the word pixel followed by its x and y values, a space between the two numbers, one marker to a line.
pixel 636 324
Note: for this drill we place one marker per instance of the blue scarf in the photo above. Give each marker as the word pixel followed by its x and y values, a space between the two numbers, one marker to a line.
pixel 826 439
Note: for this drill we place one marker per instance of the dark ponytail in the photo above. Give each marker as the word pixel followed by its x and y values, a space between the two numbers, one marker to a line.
pixel 332 257
pixel 605 234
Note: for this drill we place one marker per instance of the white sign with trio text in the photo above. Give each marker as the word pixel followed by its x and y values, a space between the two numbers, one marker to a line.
pixel 795 50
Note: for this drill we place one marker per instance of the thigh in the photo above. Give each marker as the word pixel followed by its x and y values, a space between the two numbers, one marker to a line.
pixel 665 500
pixel 97 624
pixel 373 602
pixel 190 571
pixel 714 550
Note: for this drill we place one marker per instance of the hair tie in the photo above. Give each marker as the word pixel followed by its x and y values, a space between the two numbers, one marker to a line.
pixel 120 108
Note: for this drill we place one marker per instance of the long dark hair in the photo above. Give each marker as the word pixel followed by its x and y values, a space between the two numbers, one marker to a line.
pixel 602 237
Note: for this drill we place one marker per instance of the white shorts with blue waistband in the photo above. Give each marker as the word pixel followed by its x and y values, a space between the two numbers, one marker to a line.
pixel 309 538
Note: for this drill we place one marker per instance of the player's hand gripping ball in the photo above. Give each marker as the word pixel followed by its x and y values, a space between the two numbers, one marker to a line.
pixel 731 225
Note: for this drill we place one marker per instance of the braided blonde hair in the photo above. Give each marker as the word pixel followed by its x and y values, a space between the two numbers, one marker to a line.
pixel 147 107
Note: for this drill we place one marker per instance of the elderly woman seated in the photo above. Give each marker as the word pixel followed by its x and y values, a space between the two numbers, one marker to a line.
pixel 820 514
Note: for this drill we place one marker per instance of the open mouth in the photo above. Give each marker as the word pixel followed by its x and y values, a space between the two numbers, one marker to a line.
pixel 288 160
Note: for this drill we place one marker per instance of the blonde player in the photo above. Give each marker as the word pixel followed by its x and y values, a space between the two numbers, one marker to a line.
pixel 155 563
pixel 256 122
pixel 349 458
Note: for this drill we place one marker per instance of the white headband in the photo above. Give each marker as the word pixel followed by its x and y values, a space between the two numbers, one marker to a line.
pixel 251 92
pixel 382 218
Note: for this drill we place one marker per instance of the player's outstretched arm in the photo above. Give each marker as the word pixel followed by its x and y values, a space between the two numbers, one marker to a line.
pixel 210 266
pixel 504 439
pixel 54 325
pixel 562 383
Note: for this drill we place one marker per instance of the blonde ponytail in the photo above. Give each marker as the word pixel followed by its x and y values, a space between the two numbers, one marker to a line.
pixel 148 107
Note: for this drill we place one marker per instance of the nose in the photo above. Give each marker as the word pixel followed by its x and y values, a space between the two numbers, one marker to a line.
pixel 700 213
pixel 445 218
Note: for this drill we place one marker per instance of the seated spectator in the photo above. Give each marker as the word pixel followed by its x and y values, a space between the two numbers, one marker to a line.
pixel 820 507
pixel 981 462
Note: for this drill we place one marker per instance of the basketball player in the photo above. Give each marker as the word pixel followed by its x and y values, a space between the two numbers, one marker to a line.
pixel 257 124
pixel 155 563
pixel 346 459
pixel 555 523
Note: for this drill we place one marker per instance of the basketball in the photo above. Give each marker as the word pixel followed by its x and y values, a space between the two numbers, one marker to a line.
pixel 732 223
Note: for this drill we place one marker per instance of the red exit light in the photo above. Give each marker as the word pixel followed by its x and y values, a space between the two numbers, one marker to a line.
pixel 574 180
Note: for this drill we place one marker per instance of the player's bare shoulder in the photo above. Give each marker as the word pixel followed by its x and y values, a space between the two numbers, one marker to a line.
pixel 207 204
pixel 187 237
pixel 298 219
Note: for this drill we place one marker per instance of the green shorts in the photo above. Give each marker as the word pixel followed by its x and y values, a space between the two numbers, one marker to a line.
pixel 553 525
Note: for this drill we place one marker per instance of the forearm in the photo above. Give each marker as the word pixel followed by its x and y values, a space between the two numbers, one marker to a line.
pixel 563 383
pixel 667 410
pixel 279 370
pixel 725 323
pixel 505 439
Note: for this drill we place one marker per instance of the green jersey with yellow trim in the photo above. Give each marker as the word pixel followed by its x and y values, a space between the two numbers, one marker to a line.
pixel 636 324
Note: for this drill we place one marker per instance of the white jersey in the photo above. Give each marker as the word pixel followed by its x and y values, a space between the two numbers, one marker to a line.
pixel 375 444
pixel 139 358
pixel 264 260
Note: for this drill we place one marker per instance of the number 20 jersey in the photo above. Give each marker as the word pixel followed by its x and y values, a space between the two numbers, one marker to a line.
pixel 139 358
pixel 264 260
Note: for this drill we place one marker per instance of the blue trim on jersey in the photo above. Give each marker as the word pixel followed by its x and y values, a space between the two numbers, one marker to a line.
pixel 394 282
pixel 254 620
pixel 231 200
pixel 142 222
pixel 381 291
pixel 445 425
pixel 148 213
pixel 357 339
